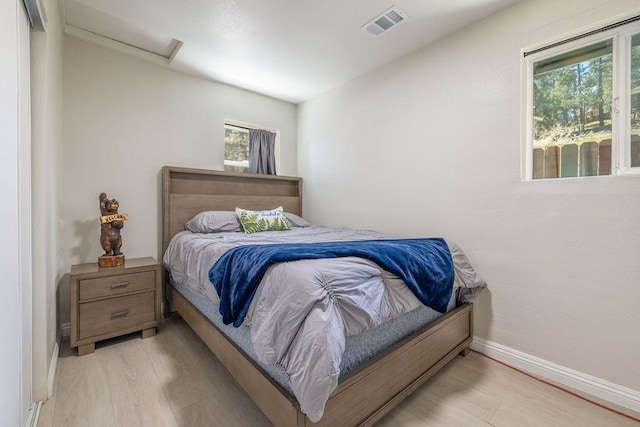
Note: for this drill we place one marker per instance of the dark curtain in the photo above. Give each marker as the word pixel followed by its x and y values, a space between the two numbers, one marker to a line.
pixel 262 151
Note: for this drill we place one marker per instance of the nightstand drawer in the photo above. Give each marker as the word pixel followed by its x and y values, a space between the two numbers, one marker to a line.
pixel 114 314
pixel 115 285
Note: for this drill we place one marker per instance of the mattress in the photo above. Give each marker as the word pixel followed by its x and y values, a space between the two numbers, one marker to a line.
pixel 358 349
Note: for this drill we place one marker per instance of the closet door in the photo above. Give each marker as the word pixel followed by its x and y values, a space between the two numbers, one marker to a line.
pixel 15 211
pixel 24 208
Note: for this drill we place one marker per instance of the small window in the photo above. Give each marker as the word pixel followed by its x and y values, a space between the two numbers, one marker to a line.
pixel 572 113
pixel 583 106
pixel 236 148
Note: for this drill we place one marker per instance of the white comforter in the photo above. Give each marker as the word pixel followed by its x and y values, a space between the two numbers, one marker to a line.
pixel 304 310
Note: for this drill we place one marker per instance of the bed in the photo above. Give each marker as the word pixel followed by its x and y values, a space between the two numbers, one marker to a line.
pixel 363 396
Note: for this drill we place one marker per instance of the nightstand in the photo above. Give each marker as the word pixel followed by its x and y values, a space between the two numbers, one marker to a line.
pixel 113 301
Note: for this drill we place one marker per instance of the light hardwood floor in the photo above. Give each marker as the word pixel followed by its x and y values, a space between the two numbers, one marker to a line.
pixel 172 379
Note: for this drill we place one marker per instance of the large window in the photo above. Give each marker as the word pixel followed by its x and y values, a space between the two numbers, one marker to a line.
pixel 583 107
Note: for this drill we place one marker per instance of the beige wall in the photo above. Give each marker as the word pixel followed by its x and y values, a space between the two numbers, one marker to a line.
pixel 123 120
pixel 430 145
pixel 46 139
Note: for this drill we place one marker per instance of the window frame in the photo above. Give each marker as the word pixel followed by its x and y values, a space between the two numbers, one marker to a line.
pixel 246 126
pixel 621 99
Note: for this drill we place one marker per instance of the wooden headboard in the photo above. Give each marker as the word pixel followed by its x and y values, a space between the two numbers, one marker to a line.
pixel 186 192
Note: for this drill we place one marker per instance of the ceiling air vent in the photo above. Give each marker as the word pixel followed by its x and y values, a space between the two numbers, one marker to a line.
pixel 385 21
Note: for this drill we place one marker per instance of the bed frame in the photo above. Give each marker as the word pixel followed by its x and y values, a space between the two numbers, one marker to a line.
pixel 365 395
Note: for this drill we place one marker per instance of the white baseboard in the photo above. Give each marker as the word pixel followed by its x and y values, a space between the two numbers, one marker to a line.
pixel 597 387
pixel 66 329
pixel 53 367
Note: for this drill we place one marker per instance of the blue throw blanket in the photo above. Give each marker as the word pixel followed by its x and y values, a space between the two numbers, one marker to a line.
pixel 425 265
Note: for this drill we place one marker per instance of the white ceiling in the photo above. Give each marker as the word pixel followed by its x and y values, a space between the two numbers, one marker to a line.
pixel 288 49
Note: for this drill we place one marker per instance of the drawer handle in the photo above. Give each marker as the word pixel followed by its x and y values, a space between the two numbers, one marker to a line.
pixel 118 314
pixel 119 285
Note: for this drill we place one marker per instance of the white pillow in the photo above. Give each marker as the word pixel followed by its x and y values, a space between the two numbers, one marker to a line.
pixel 256 221
pixel 296 221
pixel 214 222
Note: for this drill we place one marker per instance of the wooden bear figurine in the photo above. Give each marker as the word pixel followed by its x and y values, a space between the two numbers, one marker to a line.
pixel 110 238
